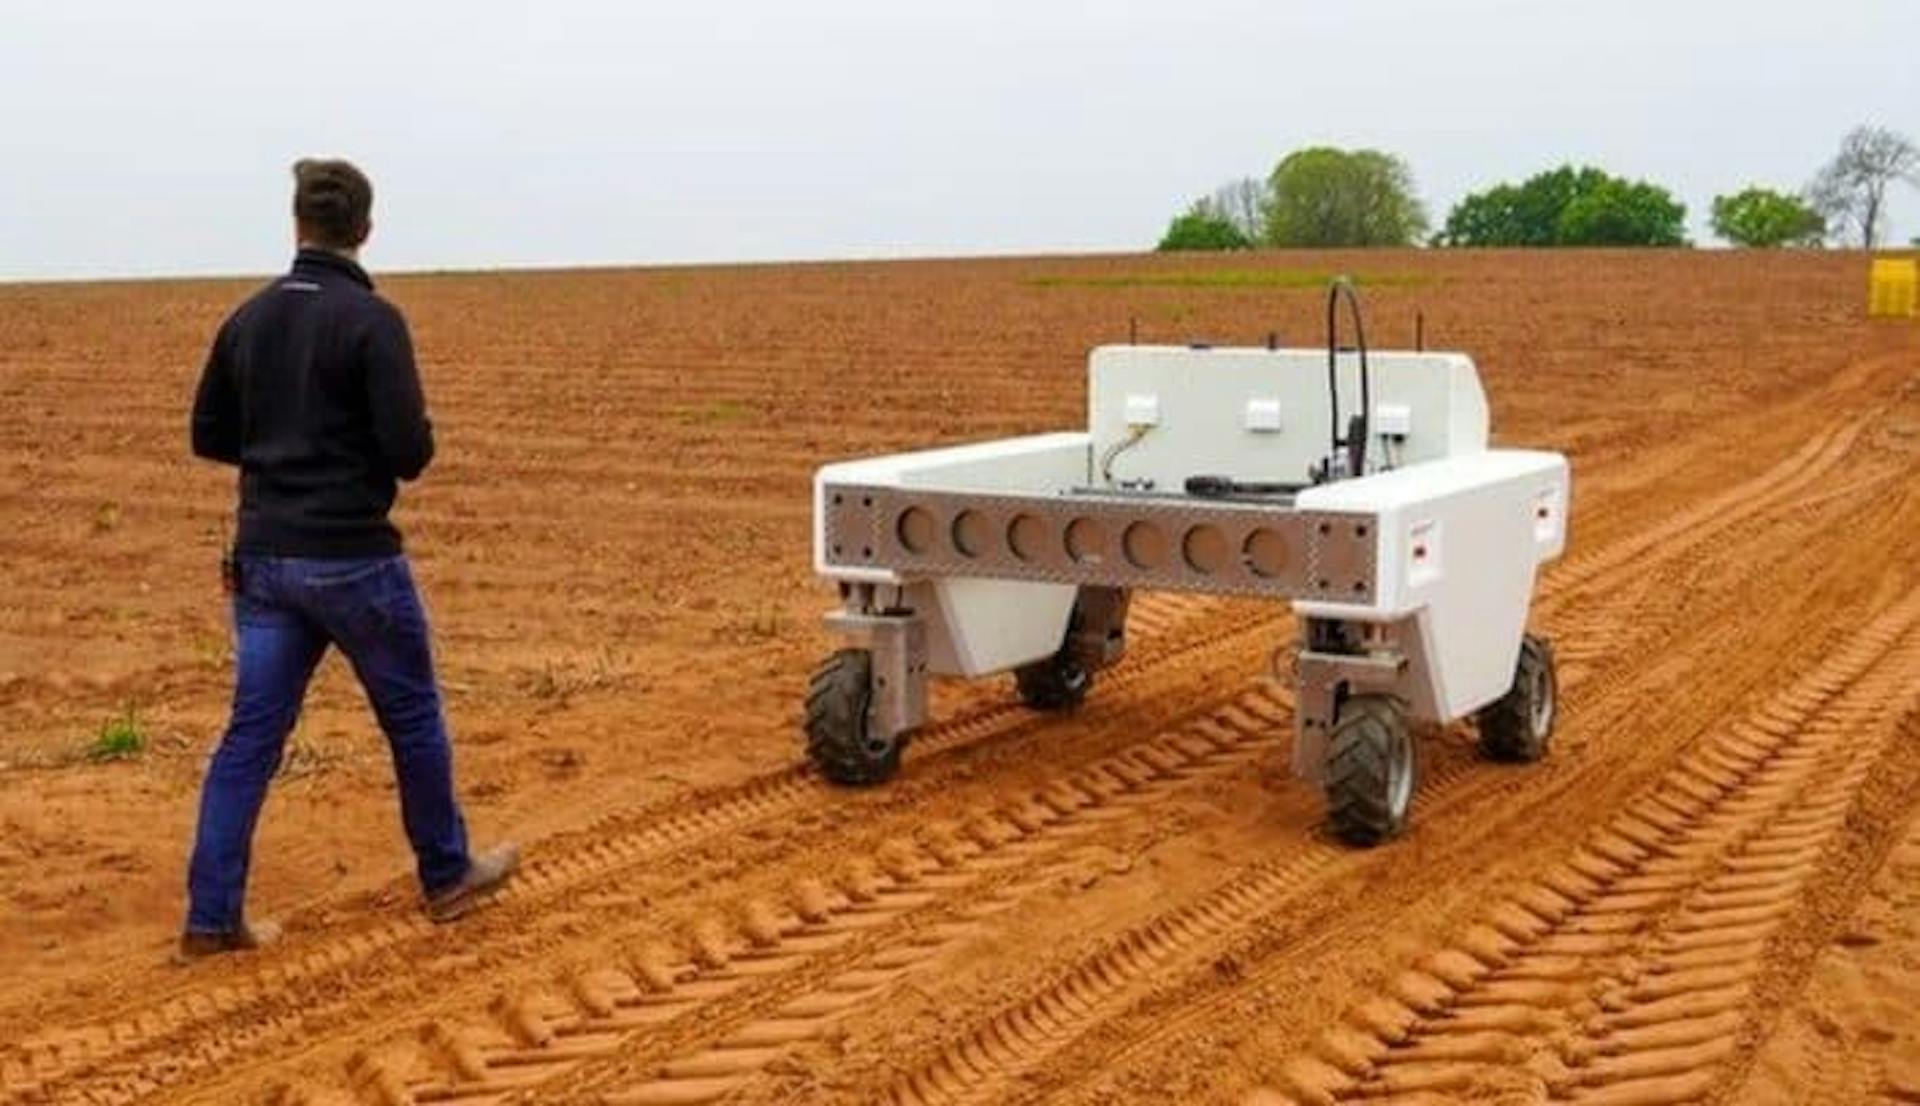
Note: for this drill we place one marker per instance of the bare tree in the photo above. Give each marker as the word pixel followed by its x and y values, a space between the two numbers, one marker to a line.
pixel 1241 202
pixel 1851 191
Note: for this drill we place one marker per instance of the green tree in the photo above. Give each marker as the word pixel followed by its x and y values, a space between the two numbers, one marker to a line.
pixel 1762 218
pixel 1203 227
pixel 1495 217
pixel 1624 213
pixel 1325 197
pixel 1567 206
pixel 1526 214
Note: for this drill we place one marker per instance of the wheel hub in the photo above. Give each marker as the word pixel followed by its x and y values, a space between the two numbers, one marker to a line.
pixel 1543 705
pixel 1400 775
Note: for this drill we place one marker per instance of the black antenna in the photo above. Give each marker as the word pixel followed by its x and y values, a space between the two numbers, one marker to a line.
pixel 1356 442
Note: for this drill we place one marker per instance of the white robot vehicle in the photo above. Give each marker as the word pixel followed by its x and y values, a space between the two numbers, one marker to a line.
pixel 1407 548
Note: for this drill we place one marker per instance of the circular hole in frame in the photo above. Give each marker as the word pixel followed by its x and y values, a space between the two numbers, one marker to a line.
pixel 1086 541
pixel 1026 537
pixel 916 530
pixel 971 534
pixel 1205 549
pixel 1266 553
pixel 1144 545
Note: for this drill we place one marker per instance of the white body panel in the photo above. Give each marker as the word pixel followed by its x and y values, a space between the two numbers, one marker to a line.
pixel 975 627
pixel 978 627
pixel 1459 533
pixel 1040 463
pixel 1214 410
pixel 1460 542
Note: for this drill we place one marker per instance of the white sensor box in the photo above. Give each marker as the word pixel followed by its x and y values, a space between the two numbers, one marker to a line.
pixel 1393 419
pixel 1263 415
pixel 1143 409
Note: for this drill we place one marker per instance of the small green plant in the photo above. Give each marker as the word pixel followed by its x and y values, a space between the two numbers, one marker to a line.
pixel 120 738
pixel 560 680
pixel 547 682
pixel 720 411
pixel 767 623
pixel 210 650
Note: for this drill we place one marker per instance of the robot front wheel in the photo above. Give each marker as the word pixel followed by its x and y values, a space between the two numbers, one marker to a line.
pixel 1372 770
pixel 1373 765
pixel 1056 683
pixel 847 748
pixel 842 741
pixel 1518 726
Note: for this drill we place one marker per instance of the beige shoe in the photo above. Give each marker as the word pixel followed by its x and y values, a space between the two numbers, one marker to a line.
pixel 195 947
pixel 486 875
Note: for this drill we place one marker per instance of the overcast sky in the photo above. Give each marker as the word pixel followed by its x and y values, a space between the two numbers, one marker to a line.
pixel 154 138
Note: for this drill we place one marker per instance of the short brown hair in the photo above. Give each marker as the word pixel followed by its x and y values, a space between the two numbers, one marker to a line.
pixel 332 202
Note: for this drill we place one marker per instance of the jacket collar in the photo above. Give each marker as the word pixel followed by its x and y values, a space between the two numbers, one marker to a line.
pixel 314 262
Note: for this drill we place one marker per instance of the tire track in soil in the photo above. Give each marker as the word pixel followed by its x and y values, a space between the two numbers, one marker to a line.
pixel 828 947
pixel 1630 635
pixel 1628 974
pixel 1866 1059
pixel 1813 459
pixel 388 1074
pixel 1591 632
pixel 976 1067
pixel 1584 606
pixel 729 1061
pixel 1762 490
pixel 58 1054
pixel 1136 1043
pixel 1178 640
pixel 710 815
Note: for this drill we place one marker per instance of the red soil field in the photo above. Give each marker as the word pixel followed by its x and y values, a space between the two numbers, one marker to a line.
pixel 1706 894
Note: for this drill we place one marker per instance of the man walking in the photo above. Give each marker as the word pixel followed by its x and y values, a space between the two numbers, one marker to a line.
pixel 312 391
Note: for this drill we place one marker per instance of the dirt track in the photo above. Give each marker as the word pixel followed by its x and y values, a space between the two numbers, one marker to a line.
pixel 1130 904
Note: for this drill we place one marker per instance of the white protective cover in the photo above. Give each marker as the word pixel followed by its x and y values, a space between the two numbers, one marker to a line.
pixel 1462 529
pixel 1483 520
pixel 974 626
pixel 1460 542
pixel 1213 409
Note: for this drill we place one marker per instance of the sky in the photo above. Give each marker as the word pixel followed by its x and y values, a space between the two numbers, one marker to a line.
pixel 156 138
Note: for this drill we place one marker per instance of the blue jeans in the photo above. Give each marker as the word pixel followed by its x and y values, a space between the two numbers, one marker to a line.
pixel 288 610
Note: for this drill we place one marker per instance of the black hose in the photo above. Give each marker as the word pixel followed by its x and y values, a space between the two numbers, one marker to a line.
pixel 1356 444
pixel 1222 487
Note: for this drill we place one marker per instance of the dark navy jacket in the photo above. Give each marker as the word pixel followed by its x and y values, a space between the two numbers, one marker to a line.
pixel 311 389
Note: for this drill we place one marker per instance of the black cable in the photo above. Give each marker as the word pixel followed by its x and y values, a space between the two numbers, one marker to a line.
pixel 1356 444
pixel 1222 487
